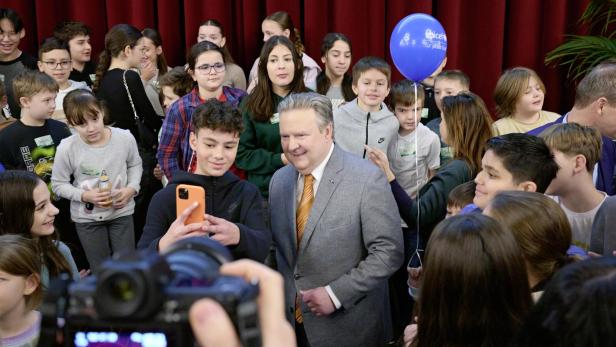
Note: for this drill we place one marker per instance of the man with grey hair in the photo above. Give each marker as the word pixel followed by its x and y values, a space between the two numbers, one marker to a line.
pixel 336 229
pixel 595 106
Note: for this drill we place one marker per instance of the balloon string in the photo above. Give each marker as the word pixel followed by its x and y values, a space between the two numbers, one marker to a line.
pixel 417 183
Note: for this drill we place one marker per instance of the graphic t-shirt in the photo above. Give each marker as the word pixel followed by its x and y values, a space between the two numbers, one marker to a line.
pixel 32 148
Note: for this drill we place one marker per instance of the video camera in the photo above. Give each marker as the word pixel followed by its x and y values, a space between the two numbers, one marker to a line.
pixel 143 299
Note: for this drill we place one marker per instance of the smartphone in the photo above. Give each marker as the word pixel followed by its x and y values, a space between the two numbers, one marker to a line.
pixel 185 196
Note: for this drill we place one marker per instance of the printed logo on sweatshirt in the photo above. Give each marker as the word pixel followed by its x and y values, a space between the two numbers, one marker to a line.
pixel 381 140
pixel 89 170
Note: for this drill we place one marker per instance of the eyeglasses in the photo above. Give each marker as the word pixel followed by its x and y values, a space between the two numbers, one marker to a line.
pixel 207 68
pixel 64 64
pixel 10 34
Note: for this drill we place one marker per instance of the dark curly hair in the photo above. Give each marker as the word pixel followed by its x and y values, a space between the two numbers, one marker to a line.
pixel 217 115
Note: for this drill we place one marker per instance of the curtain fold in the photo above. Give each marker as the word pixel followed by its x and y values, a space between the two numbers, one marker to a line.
pixel 484 36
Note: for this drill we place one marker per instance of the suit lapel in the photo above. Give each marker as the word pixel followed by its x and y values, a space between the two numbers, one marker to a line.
pixel 289 206
pixel 330 180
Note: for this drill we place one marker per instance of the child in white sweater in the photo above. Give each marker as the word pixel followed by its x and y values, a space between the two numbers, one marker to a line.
pixel 106 169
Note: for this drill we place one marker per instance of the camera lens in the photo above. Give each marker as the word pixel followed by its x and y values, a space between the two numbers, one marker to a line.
pixel 121 294
pixel 123 289
pixel 183 193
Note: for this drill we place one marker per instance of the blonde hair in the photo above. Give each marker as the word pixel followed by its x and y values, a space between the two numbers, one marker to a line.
pixel 573 139
pixel 29 82
pixel 510 87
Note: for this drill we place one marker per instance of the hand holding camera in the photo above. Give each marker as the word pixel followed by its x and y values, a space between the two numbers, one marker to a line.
pixel 212 326
pixel 148 299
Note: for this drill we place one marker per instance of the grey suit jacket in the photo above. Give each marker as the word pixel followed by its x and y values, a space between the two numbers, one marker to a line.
pixel 352 242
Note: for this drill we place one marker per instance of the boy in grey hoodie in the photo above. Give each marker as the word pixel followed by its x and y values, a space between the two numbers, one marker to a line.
pixel 366 120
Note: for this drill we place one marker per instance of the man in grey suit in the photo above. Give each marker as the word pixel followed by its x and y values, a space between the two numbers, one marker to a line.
pixel 336 229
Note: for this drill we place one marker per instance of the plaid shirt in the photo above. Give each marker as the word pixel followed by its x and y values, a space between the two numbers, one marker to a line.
pixel 174 152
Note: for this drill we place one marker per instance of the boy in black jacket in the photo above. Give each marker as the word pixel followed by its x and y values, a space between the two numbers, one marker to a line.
pixel 234 214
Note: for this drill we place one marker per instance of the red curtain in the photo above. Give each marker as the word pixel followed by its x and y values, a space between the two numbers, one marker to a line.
pixel 484 36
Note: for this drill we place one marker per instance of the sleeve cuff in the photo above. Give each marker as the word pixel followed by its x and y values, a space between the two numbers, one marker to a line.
pixel 332 296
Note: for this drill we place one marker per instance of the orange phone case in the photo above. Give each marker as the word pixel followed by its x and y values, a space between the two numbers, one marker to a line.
pixel 186 195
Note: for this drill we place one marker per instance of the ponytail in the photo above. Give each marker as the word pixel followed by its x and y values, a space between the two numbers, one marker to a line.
pixel 104 61
pixel 297 41
pixel 116 40
pixel 284 20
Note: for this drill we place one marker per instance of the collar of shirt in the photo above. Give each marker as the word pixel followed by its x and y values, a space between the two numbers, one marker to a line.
pixel 317 173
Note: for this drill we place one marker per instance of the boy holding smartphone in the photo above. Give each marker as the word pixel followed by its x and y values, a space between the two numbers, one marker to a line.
pixel 234 214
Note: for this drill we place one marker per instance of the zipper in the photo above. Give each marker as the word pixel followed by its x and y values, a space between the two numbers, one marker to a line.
pixel 366 142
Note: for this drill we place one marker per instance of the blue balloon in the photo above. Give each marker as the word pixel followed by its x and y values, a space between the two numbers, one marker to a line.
pixel 418 46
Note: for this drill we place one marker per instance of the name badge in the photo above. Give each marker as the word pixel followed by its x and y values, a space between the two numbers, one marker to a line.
pixel 275 118
pixel 406 149
pixel 424 112
pixel 44 141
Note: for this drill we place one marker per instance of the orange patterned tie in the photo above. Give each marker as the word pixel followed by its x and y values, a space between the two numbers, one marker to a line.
pixel 301 217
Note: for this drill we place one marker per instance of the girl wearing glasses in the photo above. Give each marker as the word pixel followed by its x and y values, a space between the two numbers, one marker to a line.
pixel 279 74
pixel 206 65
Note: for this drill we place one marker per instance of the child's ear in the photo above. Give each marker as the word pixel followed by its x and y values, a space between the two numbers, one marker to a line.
pixel 528 186
pixel 193 141
pixel 32 282
pixel 24 101
pixel 287 33
pixel 191 73
pixel 323 59
pixel 127 50
pixel 355 89
pixel 580 163
pixel 22 33
pixel 223 41
pixel 159 50
pixel 40 65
